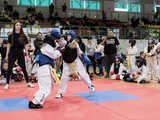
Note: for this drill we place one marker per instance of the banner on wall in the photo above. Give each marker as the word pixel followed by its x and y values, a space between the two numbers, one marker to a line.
pixel 29 31
pixel 154 26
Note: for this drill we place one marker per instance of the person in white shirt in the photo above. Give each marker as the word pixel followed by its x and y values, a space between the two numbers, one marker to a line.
pixel 90 49
pixel 99 56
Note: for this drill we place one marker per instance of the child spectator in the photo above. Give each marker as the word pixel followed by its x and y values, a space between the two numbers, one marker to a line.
pixel 151 59
pixel 131 56
pixel 4 73
pixel 3 50
pixel 116 70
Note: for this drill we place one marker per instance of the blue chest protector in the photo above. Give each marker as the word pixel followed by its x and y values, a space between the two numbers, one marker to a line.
pixel 43 60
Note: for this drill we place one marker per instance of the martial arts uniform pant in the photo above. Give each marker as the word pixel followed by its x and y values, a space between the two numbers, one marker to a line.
pixel 65 75
pixel 45 83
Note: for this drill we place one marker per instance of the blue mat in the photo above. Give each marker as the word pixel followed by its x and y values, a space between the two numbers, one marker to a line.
pixel 12 104
pixel 106 96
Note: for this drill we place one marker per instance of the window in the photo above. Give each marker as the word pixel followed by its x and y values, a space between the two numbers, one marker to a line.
pixel 127 5
pixel 34 2
pixel 77 4
pixel 82 4
pixel 157 8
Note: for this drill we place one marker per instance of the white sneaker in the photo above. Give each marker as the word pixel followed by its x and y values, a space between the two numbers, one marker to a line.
pixel 59 95
pixel 92 89
pixel 30 85
pixel 6 86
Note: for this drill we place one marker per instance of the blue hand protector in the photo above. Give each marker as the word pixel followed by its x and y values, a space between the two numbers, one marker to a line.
pixel 37 59
pixel 85 59
pixel 97 55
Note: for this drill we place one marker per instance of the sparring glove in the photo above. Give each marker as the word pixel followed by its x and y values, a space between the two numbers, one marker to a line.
pixel 112 73
pixel 97 55
pixel 86 60
pixel 118 77
pixel 37 59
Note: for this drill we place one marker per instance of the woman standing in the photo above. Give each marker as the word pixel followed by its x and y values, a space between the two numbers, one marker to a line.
pixel 16 42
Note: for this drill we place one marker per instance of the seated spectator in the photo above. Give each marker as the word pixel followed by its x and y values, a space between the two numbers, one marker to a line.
pixel 117 69
pixel 3 75
pixel 3 50
pixel 32 20
pixel 40 16
pixel 4 69
pixel 15 14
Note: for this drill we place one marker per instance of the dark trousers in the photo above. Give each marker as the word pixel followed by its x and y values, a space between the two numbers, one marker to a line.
pixel 2 62
pixel 16 54
pixel 100 64
pixel 108 60
pixel 93 63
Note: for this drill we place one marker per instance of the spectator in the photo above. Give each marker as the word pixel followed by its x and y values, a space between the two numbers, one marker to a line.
pixel 111 48
pixel 64 7
pixel 90 49
pixel 40 16
pixel 37 43
pixel 4 69
pixel 15 14
pixel 131 56
pixel 3 51
pixel 103 15
pixel 32 20
pixel 16 42
pixel 99 55
pixel 5 5
pixel 80 43
pixel 51 9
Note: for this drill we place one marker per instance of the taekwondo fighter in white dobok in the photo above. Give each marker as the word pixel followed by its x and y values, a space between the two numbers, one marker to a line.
pixel 151 60
pixel 131 56
pixel 141 75
pixel 157 54
pixel 117 69
pixel 45 70
pixel 72 65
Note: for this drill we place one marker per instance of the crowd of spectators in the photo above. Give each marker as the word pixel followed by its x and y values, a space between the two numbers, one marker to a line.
pixel 10 14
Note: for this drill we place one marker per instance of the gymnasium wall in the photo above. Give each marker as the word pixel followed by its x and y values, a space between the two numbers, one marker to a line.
pixel 108 6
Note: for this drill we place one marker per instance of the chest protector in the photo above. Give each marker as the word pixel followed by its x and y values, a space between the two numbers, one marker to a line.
pixel 43 60
pixel 69 54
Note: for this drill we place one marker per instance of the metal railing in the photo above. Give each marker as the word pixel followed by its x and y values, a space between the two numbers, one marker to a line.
pixel 87 31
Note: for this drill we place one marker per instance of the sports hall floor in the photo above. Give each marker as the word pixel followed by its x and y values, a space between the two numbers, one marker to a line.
pixel 113 100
